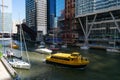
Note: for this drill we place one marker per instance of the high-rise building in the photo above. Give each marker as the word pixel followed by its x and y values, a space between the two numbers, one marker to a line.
pixel 36 16
pixel 55 7
pixel 84 6
pixel 60 9
pixel 5 16
pixel 31 14
pixel 92 6
pixel 41 15
pixel 60 6
pixel 14 28
pixel 51 13
pixel 99 21
pixel 105 4
pixel 69 34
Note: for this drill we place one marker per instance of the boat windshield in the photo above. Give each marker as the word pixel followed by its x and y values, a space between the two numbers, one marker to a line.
pixel 75 54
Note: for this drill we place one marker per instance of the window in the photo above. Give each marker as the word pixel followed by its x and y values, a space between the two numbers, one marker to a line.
pixel 60 58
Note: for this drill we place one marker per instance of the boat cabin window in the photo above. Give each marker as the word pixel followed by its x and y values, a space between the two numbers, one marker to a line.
pixel 74 59
pixel 60 58
pixel 75 54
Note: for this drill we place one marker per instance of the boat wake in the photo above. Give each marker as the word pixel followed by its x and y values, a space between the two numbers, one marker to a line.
pixel 65 67
pixel 43 60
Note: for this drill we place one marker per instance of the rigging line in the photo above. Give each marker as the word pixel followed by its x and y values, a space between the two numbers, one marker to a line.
pixel 25 45
pixel 20 40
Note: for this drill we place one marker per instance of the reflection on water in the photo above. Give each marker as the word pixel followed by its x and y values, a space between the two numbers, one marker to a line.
pixel 103 66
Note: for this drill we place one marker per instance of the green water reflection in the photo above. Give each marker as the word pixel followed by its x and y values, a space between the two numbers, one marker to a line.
pixel 103 66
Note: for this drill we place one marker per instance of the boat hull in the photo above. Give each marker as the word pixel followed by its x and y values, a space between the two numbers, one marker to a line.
pixel 112 50
pixel 15 46
pixel 44 51
pixel 16 63
pixel 84 47
pixel 21 67
pixel 66 65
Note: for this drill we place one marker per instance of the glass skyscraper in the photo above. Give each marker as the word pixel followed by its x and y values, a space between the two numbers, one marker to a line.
pixel 41 15
pixel 60 12
pixel 84 6
pixel 6 16
pixel 91 6
pixel 30 14
pixel 55 7
pixel 60 6
pixel 36 16
pixel 104 4
pixel 100 21
pixel 51 13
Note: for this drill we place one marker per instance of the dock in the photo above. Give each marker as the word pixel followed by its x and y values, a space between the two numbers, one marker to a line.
pixel 6 71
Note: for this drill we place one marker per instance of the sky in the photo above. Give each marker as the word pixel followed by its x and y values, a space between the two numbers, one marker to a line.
pixel 59 6
pixel 18 9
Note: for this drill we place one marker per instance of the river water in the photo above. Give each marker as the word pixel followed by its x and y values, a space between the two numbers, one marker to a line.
pixel 103 66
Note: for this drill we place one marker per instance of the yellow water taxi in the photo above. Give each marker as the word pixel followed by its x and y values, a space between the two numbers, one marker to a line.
pixel 15 46
pixel 74 60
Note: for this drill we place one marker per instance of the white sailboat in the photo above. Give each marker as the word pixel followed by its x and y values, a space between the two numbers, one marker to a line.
pixel 9 52
pixel 64 46
pixel 42 45
pixel 84 47
pixel 20 63
pixel 112 49
pixel 43 49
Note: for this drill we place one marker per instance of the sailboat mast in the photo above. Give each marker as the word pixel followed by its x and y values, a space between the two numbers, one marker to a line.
pixel 53 28
pixel 11 38
pixel 26 51
pixel 115 39
pixel 20 40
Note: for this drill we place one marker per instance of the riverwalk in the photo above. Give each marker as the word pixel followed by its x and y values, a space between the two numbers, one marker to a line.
pixel 6 71
pixel 4 74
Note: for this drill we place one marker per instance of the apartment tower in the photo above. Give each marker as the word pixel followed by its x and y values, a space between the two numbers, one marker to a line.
pixel 69 33
pixel 36 16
